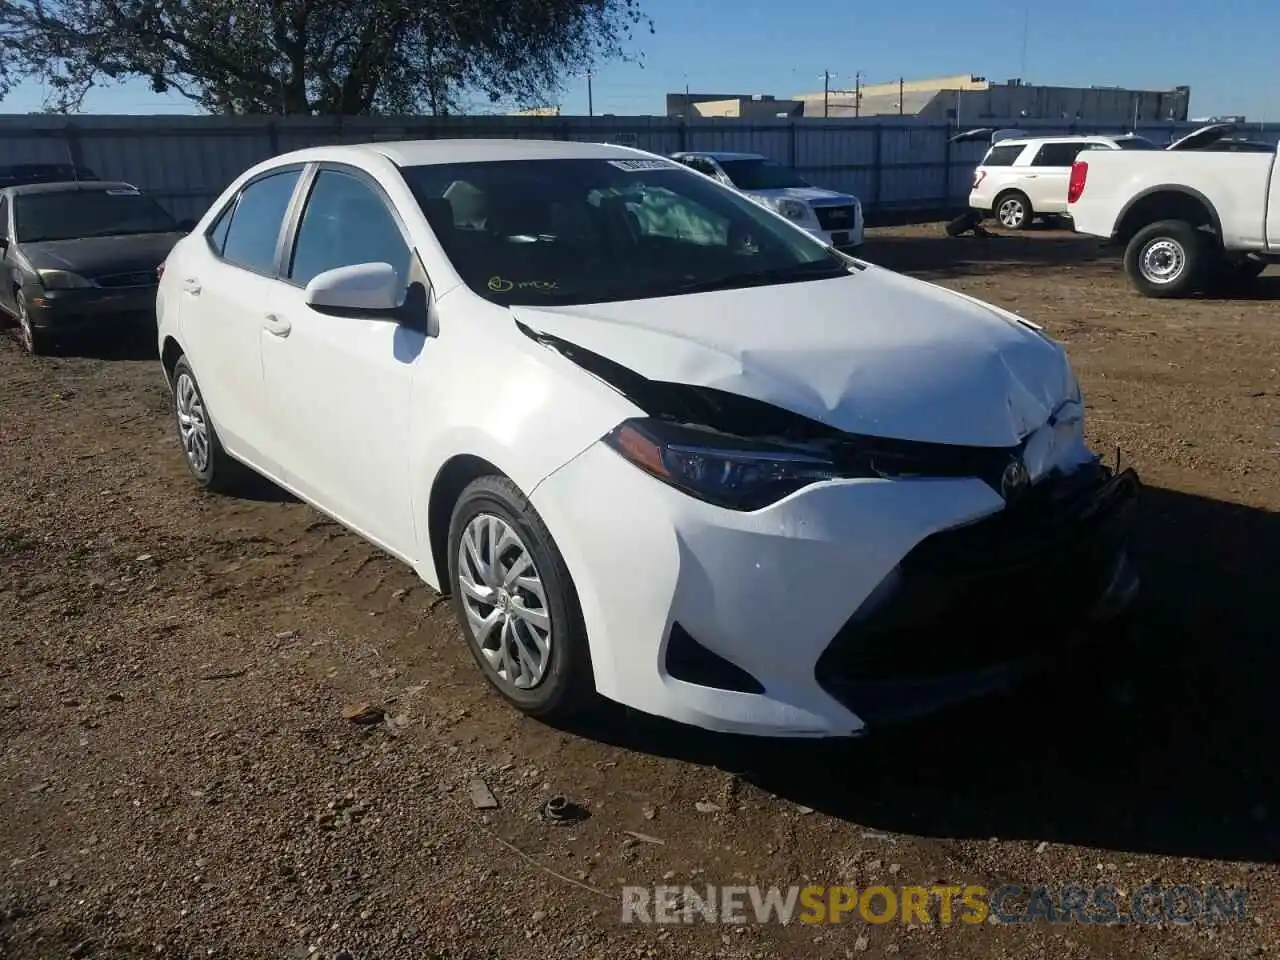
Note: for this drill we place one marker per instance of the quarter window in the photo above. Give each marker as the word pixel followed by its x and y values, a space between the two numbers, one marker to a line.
pixel 346 223
pixel 254 230
pixel 217 234
pixel 1002 156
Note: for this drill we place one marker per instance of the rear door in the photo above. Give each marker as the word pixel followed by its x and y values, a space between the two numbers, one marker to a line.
pixel 1048 174
pixel 226 282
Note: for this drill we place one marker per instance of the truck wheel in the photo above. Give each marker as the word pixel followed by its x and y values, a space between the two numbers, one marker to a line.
pixel 1167 259
pixel 1013 210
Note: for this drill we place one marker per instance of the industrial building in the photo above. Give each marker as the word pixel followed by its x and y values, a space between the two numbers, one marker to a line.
pixel 962 98
pixel 972 99
pixel 694 105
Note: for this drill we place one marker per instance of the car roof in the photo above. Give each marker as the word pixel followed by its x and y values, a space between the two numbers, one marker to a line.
pixel 1065 138
pixel 69 186
pixel 414 153
pixel 720 155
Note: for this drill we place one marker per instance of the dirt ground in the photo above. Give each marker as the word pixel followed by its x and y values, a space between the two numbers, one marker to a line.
pixel 177 778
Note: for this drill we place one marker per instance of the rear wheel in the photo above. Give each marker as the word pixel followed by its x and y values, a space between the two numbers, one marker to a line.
pixel 1013 210
pixel 209 464
pixel 1167 259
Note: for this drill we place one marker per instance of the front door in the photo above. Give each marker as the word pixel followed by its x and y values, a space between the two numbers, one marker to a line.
pixel 340 389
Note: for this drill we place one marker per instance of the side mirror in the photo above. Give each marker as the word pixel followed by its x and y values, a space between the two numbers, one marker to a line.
pixel 4 244
pixel 369 290
pixel 186 226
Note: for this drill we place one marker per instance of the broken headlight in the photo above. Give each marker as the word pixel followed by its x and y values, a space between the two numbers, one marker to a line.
pixel 724 470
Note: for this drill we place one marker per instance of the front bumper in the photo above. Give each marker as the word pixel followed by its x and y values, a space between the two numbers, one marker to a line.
pixel 789 621
pixel 70 310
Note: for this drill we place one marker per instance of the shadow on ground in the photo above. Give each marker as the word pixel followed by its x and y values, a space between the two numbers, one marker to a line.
pixel 1165 745
pixel 131 344
pixel 936 256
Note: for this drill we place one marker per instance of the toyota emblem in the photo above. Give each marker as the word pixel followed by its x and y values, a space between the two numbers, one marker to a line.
pixel 1015 480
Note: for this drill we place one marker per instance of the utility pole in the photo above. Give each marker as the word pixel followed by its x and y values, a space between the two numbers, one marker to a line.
pixel 902 87
pixel 857 94
pixel 591 108
pixel 1026 29
pixel 826 93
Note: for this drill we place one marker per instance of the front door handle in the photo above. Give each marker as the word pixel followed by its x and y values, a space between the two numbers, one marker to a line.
pixel 277 326
pixel 192 286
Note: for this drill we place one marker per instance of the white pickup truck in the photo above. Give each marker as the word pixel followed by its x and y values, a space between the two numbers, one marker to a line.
pixel 1203 214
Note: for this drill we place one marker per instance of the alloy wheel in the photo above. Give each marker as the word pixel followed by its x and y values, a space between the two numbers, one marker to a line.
pixel 192 423
pixel 504 600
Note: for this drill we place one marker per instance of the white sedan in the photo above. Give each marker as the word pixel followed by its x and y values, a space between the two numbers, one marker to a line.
pixel 657 443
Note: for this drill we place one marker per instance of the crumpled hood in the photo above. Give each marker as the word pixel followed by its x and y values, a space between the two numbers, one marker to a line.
pixel 805 195
pixel 875 353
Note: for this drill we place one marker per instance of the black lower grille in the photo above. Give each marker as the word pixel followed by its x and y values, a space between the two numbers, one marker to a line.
pixel 993 592
pixel 837 218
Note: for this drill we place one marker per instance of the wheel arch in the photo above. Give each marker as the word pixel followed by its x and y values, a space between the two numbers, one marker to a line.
pixel 1167 202
pixel 450 480
pixel 170 352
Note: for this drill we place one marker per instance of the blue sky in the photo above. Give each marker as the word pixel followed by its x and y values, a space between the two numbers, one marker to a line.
pixel 1225 52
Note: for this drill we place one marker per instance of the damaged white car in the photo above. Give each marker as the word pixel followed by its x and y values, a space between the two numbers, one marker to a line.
pixel 658 444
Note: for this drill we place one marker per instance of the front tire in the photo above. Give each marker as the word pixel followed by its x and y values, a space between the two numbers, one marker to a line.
pixel 1013 210
pixel 33 341
pixel 516 602
pixel 1167 259
pixel 209 464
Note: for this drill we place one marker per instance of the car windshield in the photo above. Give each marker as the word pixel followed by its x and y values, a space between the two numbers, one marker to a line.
pixel 72 214
pixel 577 231
pixel 752 174
pixel 1136 143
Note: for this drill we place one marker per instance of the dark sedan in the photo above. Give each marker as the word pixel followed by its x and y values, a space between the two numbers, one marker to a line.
pixel 80 255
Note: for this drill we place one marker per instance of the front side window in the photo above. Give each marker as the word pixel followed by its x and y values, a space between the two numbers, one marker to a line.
pixel 74 214
pixel 254 230
pixel 345 222
pixel 594 230
pixel 761 175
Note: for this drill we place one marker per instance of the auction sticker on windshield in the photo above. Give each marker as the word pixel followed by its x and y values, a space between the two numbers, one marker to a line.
pixel 639 165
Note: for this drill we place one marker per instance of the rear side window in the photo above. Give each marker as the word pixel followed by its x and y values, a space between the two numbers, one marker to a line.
pixel 4 216
pixel 1002 156
pixel 1057 154
pixel 251 238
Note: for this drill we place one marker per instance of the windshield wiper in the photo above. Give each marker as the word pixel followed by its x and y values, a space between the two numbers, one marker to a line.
pixel 813 270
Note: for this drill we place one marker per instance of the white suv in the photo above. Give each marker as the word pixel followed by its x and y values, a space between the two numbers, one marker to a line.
pixel 1021 179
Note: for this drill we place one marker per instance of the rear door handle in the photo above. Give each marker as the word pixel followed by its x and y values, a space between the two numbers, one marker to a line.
pixel 192 286
pixel 276 326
